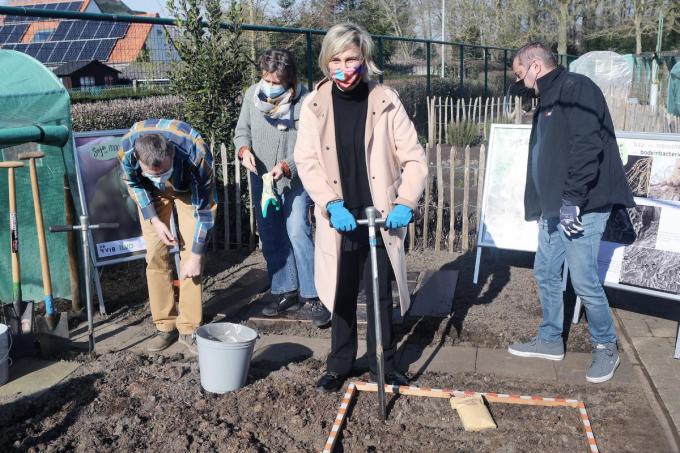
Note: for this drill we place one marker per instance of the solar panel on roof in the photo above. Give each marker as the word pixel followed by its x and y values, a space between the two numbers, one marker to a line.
pixel 20 47
pixel 62 6
pixel 90 29
pixel 62 29
pixel 74 6
pixel 9 46
pixel 16 33
pixel 75 31
pixel 33 49
pixel 118 30
pixel 104 30
pixel 5 32
pixel 104 49
pixel 60 49
pixel 45 51
pixel 73 51
pixel 51 6
pixel 89 49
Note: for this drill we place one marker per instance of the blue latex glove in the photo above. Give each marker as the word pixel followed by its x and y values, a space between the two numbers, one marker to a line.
pixel 400 216
pixel 570 221
pixel 341 218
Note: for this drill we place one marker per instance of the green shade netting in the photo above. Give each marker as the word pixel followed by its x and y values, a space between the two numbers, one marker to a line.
pixel 674 90
pixel 30 95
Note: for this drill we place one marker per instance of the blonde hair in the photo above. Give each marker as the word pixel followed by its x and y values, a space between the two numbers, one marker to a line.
pixel 341 36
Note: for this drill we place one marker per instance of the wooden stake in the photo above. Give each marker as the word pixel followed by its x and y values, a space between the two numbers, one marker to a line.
pixel 440 200
pixel 237 201
pixel 452 197
pixel 466 201
pixel 225 195
pixel 426 214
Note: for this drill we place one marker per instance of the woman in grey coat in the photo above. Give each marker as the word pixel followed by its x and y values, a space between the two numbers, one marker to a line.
pixel 265 139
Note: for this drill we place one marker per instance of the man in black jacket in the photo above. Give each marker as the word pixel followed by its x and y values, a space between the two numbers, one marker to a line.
pixel 574 178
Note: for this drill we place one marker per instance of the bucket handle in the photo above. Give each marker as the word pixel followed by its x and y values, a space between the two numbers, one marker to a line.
pixel 9 348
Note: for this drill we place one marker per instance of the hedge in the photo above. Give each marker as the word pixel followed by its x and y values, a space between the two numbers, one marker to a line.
pixel 123 113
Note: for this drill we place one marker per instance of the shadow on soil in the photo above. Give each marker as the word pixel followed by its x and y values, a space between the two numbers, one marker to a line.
pixel 494 275
pixel 21 418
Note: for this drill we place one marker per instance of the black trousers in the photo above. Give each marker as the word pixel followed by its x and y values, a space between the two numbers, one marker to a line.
pixel 353 265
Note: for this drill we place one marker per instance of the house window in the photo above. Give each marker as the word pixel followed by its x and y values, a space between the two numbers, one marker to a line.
pixel 42 35
pixel 87 81
pixel 109 80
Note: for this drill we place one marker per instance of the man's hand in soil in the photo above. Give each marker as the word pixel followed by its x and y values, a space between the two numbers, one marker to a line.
pixel 163 232
pixel 191 268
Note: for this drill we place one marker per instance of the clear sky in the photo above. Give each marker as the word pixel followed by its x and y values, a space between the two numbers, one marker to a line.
pixel 153 6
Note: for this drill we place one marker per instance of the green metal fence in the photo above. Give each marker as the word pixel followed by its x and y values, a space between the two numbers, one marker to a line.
pixel 142 51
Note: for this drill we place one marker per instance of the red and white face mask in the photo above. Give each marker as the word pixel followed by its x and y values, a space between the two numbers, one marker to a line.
pixel 349 77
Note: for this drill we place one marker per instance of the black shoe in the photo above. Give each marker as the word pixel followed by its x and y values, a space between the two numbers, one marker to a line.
pixel 391 378
pixel 287 302
pixel 321 317
pixel 330 382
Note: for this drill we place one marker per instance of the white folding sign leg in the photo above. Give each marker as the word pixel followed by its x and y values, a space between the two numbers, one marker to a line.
pixel 677 343
pixel 475 276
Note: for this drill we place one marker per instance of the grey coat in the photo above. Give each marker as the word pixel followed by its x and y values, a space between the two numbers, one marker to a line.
pixel 269 144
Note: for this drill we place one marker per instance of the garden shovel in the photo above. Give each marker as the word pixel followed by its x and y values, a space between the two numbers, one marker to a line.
pixel 52 328
pixel 372 222
pixel 19 314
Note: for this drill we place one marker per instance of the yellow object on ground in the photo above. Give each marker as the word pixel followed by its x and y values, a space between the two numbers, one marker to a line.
pixel 473 412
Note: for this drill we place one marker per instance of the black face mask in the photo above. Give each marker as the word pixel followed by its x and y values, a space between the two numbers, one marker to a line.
pixel 519 89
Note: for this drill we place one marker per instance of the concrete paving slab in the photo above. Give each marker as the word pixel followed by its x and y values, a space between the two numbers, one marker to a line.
pixel 415 359
pixel 661 328
pixel 502 363
pixel 115 336
pixel 637 327
pixel 656 355
pixel 30 375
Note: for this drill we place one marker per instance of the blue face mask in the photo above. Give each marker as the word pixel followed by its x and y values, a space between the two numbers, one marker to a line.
pixel 161 178
pixel 272 90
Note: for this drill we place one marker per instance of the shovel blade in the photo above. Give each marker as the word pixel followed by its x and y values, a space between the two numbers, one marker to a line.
pixel 53 335
pixel 21 326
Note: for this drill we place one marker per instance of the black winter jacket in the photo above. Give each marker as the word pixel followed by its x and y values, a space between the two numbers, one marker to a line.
pixel 579 159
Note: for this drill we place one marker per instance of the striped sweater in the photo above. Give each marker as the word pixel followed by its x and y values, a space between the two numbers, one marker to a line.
pixel 192 172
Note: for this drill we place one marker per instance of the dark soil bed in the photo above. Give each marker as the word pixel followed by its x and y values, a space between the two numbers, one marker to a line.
pixel 501 309
pixel 127 402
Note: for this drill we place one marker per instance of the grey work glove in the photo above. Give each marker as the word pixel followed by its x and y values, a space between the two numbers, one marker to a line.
pixel 570 220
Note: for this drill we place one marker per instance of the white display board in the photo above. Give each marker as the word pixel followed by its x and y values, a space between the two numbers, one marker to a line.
pixel 502 221
pixel 652 165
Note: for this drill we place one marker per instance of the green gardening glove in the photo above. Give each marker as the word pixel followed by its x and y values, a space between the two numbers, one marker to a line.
pixel 269 197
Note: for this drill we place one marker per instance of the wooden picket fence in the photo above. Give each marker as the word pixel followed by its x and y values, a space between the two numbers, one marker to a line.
pixel 447 217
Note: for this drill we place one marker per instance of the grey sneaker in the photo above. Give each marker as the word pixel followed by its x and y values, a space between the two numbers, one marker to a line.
pixel 551 350
pixel 605 361
pixel 189 340
pixel 161 341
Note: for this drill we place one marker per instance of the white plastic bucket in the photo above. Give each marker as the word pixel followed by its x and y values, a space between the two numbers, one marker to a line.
pixel 5 346
pixel 224 353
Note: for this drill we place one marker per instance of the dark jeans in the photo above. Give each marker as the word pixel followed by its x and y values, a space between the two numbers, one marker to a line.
pixel 353 265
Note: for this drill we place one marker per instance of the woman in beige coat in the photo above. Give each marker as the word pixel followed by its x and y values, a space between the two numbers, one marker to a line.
pixel 356 148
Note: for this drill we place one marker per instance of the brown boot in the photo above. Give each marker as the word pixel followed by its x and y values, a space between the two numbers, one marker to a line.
pixel 161 341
